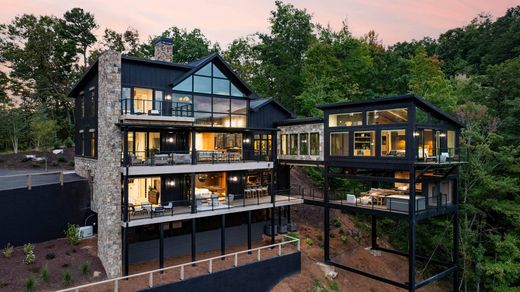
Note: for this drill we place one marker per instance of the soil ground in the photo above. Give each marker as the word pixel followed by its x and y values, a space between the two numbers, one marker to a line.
pixel 59 256
pixel 54 162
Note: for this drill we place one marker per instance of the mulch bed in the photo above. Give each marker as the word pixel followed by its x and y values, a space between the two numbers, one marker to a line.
pixel 18 161
pixel 59 256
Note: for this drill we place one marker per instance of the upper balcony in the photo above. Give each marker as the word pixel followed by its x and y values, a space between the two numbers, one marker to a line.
pixel 156 110
pixel 149 162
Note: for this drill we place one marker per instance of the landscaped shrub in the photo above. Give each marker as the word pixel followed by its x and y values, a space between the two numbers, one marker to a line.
pixel 343 238
pixel 85 268
pixel 8 250
pixel 30 284
pixel 332 235
pixel 28 251
pixel 319 237
pixel 309 241
pixel 337 223
pixel 67 277
pixel 68 142
pixel 62 159
pixel 44 273
pixel 72 234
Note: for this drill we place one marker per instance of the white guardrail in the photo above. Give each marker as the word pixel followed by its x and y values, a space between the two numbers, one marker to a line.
pixel 181 267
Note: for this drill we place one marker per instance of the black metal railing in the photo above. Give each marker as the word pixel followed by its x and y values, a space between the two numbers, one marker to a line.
pixel 442 155
pixel 160 158
pixel 156 108
pixel 210 202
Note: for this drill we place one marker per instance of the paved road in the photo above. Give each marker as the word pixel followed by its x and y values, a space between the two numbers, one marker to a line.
pixel 14 179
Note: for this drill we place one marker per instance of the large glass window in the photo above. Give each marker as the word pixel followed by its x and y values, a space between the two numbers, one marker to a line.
pixel 364 143
pixel 238 121
pixel 186 85
pixel 221 105
pixel 315 144
pixel 206 70
pixel 293 144
pixel 202 119
pixel 220 86
pixel 346 119
pixel 451 143
pixel 339 144
pixel 202 84
pixel 389 116
pixel 158 102
pixel 284 144
pixel 154 143
pixel 221 120
pixel 238 106
pixel 235 91
pixel 144 190
pixel 393 143
pixel 143 98
pixel 217 72
pixel 304 144
pixel 92 144
pixel 126 95
pixel 202 103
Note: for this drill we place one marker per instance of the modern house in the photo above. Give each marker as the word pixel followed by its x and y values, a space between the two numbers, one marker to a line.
pixel 400 156
pixel 177 152
pixel 174 151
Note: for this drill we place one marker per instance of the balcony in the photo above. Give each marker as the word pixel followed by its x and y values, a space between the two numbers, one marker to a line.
pixel 147 109
pixel 210 205
pixel 382 201
pixel 441 156
pixel 148 162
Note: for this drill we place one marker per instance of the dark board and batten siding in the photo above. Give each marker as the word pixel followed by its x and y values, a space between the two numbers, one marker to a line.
pixel 255 277
pixel 267 115
pixel 90 120
pixel 148 75
pixel 42 213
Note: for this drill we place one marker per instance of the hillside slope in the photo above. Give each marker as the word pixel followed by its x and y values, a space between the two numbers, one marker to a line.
pixel 348 242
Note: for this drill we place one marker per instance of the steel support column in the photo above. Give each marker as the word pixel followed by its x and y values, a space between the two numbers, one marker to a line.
pixel 272 225
pixel 161 245
pixel 288 214
pixel 249 230
pixel 456 239
pixel 411 232
pixel 223 235
pixel 193 239
pixel 374 232
pixel 124 231
pixel 326 221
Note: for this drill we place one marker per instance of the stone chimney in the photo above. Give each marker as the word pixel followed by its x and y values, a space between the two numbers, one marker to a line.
pixel 163 50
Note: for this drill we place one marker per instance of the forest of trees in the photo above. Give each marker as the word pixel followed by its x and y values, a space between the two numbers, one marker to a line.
pixel 472 72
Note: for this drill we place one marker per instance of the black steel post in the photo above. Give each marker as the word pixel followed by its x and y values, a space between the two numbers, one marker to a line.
pixel 249 230
pixel 223 235
pixel 193 198
pixel 193 239
pixel 272 225
pixel 125 250
pixel 193 148
pixel 374 232
pixel 125 182
pixel 161 246
pixel 326 221
pixel 279 217
pixel 288 214
pixel 411 232
pixel 456 237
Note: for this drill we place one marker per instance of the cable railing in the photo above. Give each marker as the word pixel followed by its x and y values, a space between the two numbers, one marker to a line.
pixel 161 158
pixel 211 202
pixel 287 245
pixel 442 155
pixel 156 108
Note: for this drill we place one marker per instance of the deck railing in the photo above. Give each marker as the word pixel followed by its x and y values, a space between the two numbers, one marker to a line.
pixel 156 108
pixel 147 278
pixel 161 158
pixel 179 207
pixel 443 155
pixel 31 179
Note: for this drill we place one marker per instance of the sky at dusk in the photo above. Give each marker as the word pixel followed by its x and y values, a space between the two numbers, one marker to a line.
pixel 225 20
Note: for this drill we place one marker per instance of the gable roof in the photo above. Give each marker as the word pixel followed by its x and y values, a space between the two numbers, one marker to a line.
pixel 256 104
pixel 387 99
pixel 216 58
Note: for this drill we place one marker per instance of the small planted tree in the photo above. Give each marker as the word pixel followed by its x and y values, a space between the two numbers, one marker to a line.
pixel 8 250
pixel 44 273
pixel 72 234
pixel 67 277
pixel 30 284
pixel 30 257
pixel 85 268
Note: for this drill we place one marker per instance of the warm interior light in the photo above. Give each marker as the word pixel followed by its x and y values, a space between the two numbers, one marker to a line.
pixel 184 98
pixel 168 97
pixel 442 135
pixel 416 134
pixel 170 140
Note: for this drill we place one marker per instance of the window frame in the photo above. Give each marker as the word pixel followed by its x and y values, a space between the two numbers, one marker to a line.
pixel 348 143
pixel 373 139
pixel 317 146
pixel 301 150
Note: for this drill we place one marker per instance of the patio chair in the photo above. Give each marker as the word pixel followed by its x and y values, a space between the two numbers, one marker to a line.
pixel 168 207
pixel 147 207
pixel 351 199
pixel 230 198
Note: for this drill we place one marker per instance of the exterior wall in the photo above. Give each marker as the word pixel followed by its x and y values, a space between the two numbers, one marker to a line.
pixel 267 115
pixel 107 175
pixel 297 129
